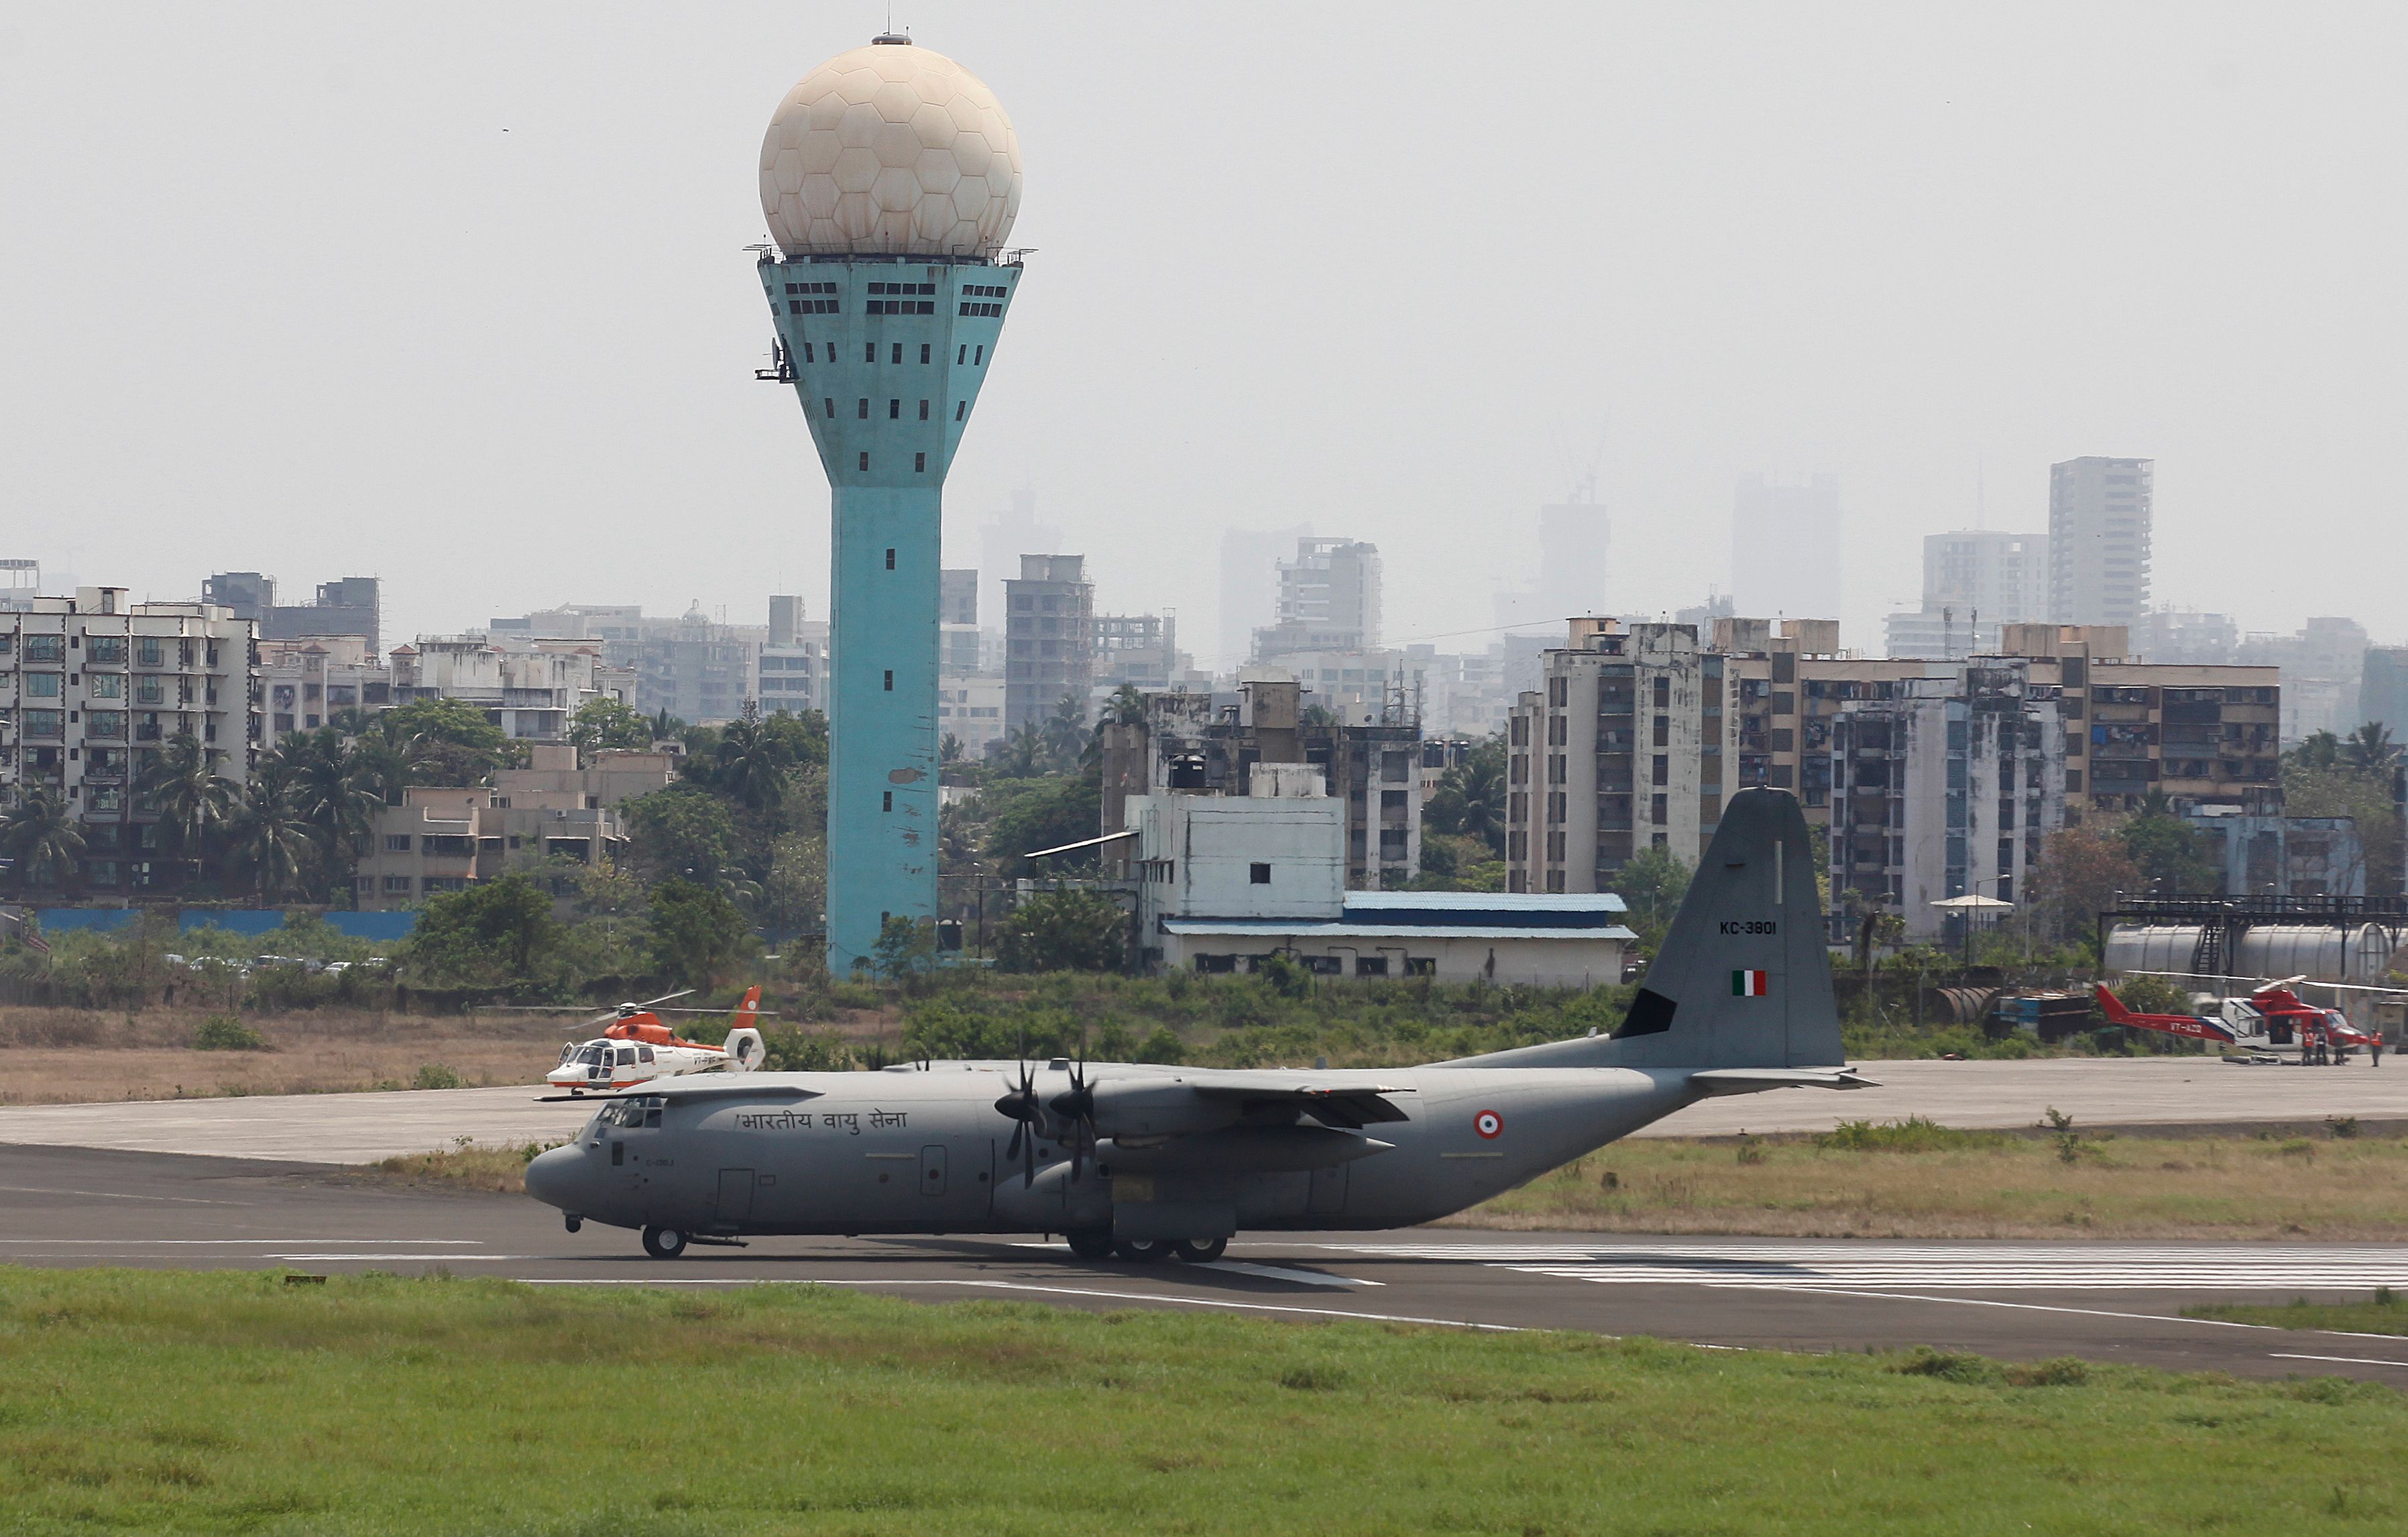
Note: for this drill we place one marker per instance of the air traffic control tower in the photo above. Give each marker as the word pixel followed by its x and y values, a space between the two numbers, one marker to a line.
pixel 889 177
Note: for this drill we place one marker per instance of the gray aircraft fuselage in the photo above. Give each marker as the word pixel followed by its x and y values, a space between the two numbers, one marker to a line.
pixel 1739 999
pixel 922 1150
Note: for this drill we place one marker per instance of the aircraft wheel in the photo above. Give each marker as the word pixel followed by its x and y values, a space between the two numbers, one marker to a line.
pixel 1143 1251
pixel 664 1242
pixel 1091 1244
pixel 1200 1251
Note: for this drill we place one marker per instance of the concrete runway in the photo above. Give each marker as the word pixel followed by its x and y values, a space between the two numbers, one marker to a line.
pixel 2115 1302
pixel 2096 1092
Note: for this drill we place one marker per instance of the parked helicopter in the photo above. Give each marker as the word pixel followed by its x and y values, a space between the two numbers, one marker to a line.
pixel 637 1047
pixel 1147 1161
pixel 2270 1016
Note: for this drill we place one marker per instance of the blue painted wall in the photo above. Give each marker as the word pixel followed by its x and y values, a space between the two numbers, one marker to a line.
pixel 888 355
pixel 359 925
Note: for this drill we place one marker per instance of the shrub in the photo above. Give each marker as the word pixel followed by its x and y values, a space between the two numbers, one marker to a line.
pixel 2059 1372
pixel 1948 1365
pixel 805 1051
pixel 225 1033
pixel 434 1075
pixel 1161 1046
pixel 1916 1134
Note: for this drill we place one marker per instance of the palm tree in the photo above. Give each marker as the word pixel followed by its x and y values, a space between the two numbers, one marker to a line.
pixel 1023 753
pixel 1126 707
pixel 192 798
pixel 752 764
pixel 1066 733
pixel 2370 746
pixel 335 791
pixel 41 834
pixel 271 836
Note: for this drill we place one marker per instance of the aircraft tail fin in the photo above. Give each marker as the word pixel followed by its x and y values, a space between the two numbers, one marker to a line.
pixel 746 1012
pixel 2111 1005
pixel 1744 979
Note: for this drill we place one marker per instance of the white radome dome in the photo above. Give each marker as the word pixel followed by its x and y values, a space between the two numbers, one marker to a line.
pixel 890 150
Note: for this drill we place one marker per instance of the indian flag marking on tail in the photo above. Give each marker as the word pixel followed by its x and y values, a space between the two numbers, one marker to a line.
pixel 1747 984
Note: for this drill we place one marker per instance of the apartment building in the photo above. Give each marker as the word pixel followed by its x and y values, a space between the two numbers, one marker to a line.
pixel 699 670
pixel 441 838
pixel 1944 786
pixel 530 688
pixel 1629 743
pixel 352 607
pixel 1328 600
pixel 92 685
pixel 2100 515
pixel 1048 638
pixel 1212 743
pixel 969 710
pixel 306 683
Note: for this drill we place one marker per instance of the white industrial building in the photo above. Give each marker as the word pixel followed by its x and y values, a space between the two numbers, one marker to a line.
pixel 1226 881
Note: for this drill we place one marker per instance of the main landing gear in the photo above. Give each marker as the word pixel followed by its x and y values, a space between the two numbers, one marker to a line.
pixel 1095 1244
pixel 664 1242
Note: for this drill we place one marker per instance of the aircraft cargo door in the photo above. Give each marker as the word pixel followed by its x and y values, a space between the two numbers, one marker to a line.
pixel 735 1196
pixel 956 1183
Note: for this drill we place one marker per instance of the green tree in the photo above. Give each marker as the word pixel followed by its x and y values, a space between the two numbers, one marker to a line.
pixel 335 791
pixel 605 724
pixel 450 740
pixel 1041 813
pixel 681 831
pixel 496 930
pixel 752 762
pixel 2369 748
pixel 694 935
pixel 1066 734
pixel 2084 870
pixel 906 950
pixel 2362 795
pixel 272 841
pixel 1126 707
pixel 2166 851
pixel 193 798
pixel 1469 801
pixel 1024 753
pixel 42 836
pixel 2316 750
pixel 1651 881
pixel 1064 931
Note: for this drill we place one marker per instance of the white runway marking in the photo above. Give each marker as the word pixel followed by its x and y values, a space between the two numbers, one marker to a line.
pixel 1280 1273
pixel 247 1243
pixel 1057 1291
pixel 2347 1360
pixel 1874 1266
pixel 116 1195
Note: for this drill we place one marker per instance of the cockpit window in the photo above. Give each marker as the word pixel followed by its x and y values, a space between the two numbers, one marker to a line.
pixel 590 1055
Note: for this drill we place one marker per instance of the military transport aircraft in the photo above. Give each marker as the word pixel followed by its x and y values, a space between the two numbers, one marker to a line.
pixel 1145 1161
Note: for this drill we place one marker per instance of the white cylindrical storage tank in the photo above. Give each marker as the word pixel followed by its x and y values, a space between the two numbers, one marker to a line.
pixel 2319 952
pixel 2153 947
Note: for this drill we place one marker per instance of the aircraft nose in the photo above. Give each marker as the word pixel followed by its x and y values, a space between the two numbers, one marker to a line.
pixel 555 1178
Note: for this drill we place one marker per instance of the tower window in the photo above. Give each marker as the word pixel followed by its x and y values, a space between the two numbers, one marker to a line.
pixel 870 352
pixel 808 356
pixel 1259 875
pixel 890 802
pixel 890 559
pixel 894 410
pixel 863 409
pixel 923 352
pixel 898 353
pixel 924 410
pixel 889 685
pixel 980 361
pixel 959 407
pixel 865 460
pixel 920 464
pixel 831 407
pixel 962 353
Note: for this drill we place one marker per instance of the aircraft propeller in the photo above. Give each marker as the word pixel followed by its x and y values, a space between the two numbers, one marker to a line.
pixel 1078 1107
pixel 1021 1105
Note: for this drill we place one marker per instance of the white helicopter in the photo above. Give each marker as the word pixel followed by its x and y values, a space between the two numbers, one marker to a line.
pixel 637 1047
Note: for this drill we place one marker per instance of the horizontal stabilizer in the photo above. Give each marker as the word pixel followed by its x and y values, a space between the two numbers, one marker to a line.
pixel 1750 1080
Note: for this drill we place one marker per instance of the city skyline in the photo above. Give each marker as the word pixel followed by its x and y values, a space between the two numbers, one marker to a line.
pixel 254 436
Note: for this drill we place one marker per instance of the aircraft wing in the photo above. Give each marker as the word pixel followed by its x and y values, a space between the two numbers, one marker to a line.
pixel 1345 1102
pixel 678 1088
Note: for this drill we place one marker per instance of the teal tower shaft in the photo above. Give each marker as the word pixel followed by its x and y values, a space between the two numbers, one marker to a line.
pixel 886 354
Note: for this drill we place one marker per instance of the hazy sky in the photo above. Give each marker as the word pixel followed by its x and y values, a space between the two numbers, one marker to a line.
pixel 456 295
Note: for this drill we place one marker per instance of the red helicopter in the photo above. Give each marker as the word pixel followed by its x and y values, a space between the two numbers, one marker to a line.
pixel 2271 1016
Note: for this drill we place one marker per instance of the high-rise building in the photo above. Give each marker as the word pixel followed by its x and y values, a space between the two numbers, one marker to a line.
pixel 2382 689
pixel 1786 546
pixel 1004 538
pixel 2323 664
pixel 1250 561
pixel 1048 638
pixel 889 285
pixel 1573 540
pixel 352 605
pixel 2099 514
pixel 1329 599
pixel 1974 581
pixel 794 660
pixel 958 609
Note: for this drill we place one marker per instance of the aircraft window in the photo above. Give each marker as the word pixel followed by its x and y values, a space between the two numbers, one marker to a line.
pixel 643 1054
pixel 626 1057
pixel 652 1115
pixel 590 1055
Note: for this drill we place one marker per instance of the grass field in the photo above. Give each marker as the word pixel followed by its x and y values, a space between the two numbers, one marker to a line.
pixel 62 1055
pixel 228 1402
pixel 2386 1313
pixel 1931 1182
